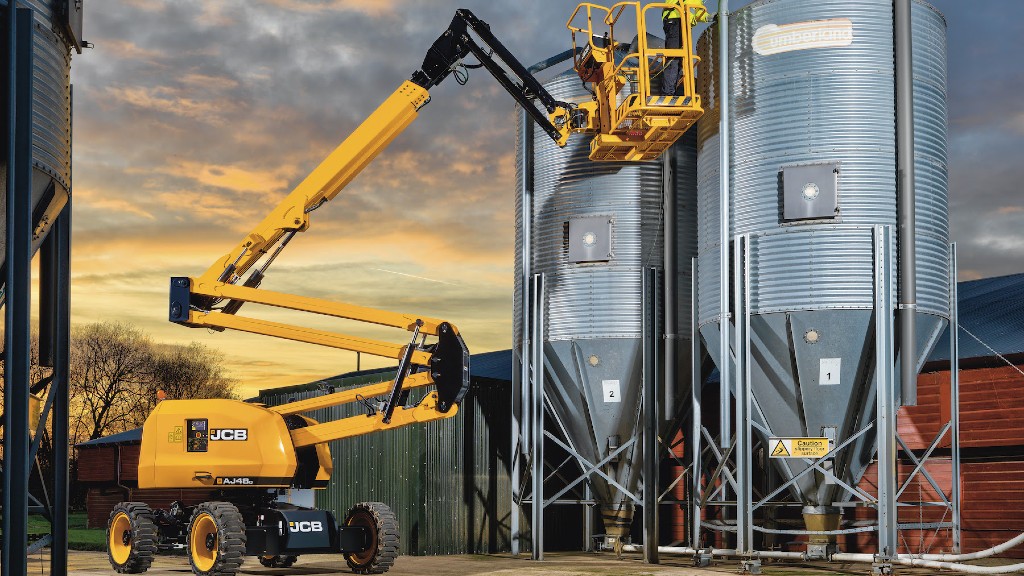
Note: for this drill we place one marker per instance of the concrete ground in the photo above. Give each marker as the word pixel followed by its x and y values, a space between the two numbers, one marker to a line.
pixel 555 564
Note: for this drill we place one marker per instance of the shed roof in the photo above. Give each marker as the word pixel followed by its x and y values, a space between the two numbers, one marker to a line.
pixel 126 437
pixel 992 310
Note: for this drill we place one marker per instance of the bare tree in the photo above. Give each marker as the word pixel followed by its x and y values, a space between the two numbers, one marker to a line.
pixel 110 372
pixel 193 371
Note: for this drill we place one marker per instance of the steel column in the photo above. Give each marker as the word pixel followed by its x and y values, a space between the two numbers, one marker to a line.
pixel 649 451
pixel 54 296
pixel 744 446
pixel 670 292
pixel 696 389
pixel 537 421
pixel 885 393
pixel 954 393
pixel 520 387
pixel 588 519
pixel 17 290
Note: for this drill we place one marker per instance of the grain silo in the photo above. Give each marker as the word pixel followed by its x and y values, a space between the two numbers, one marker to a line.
pixel 813 172
pixel 594 231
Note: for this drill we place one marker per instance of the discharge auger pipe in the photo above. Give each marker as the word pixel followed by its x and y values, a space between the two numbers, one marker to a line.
pixel 905 197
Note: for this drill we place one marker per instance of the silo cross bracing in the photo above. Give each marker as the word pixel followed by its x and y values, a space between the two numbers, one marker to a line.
pixel 813 170
pixel 595 228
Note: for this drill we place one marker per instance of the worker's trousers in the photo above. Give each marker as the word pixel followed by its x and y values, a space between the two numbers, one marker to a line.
pixel 673 40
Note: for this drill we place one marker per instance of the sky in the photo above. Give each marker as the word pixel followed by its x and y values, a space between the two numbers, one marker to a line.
pixel 193 118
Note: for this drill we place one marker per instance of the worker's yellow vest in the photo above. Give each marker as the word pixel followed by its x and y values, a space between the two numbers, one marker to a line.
pixel 698 15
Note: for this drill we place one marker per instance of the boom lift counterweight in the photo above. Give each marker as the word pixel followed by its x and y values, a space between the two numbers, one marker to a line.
pixel 262 462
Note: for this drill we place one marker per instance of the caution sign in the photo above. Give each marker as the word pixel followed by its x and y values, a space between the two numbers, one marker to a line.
pixel 798 447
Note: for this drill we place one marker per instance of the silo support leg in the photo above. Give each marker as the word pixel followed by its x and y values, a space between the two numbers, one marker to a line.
pixel 885 393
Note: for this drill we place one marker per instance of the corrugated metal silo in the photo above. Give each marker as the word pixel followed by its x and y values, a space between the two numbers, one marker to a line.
pixel 813 170
pixel 595 228
pixel 51 116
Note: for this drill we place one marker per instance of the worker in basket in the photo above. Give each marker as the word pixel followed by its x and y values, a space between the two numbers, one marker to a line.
pixel 671 20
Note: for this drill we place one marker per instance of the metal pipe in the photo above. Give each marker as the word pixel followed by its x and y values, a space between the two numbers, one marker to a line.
pixel 905 192
pixel 537 421
pixel 526 274
pixel 904 559
pixel 650 450
pixel 910 560
pixel 724 437
pixel 721 552
pixel 671 269
pixel 954 393
pixel 696 388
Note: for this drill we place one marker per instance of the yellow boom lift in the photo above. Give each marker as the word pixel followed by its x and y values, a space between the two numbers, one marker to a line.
pixel 262 463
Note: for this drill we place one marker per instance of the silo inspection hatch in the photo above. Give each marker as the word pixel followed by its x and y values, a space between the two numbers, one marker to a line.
pixel 798 447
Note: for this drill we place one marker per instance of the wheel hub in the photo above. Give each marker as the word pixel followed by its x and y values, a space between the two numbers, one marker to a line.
pixel 126 537
pixel 211 540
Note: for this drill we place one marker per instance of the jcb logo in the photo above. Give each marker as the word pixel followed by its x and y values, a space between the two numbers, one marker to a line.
pixel 306 526
pixel 237 434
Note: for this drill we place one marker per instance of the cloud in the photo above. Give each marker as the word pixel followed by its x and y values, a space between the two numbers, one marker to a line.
pixel 167 100
pixel 234 178
pixel 371 7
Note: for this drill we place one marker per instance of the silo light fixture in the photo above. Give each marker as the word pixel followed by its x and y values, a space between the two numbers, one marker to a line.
pixel 589 239
pixel 810 191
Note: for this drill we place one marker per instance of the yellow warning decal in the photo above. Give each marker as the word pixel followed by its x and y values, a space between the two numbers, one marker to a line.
pixel 780 449
pixel 798 447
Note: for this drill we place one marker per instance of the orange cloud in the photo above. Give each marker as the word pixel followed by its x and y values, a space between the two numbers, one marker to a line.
pixel 234 178
pixel 168 100
pixel 94 199
pixel 125 50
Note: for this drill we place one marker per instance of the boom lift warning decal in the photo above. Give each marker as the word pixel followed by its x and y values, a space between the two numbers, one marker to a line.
pixel 798 447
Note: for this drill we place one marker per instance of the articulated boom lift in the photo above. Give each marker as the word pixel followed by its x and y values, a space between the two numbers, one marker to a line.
pixel 262 463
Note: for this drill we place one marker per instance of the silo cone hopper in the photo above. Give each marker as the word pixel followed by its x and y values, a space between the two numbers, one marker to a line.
pixel 598 383
pixel 812 375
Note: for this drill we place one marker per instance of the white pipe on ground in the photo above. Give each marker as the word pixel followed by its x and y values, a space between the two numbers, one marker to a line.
pixel 719 552
pixel 937 561
pixel 910 560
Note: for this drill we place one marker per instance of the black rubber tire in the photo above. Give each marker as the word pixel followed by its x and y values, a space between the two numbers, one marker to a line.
pixel 278 561
pixel 229 538
pixel 383 526
pixel 141 536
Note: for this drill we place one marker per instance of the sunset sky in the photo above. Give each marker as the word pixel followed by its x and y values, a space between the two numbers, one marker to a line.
pixel 193 118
